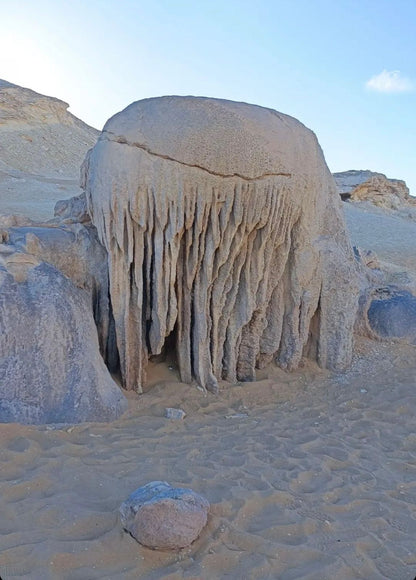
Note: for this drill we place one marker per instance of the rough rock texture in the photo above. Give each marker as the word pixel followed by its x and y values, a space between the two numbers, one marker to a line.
pixel 42 146
pixel 72 210
pixel 347 181
pixel 164 517
pixel 389 312
pixel 224 230
pixel 75 251
pixel 383 192
pixel 51 370
pixel 373 187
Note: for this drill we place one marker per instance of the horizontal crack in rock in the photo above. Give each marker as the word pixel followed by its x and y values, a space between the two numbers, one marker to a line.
pixel 111 137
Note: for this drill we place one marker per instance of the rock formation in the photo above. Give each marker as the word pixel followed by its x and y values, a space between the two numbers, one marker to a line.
pixel 75 251
pixel 224 234
pixel 42 146
pixel 373 187
pixel 53 274
pixel 51 370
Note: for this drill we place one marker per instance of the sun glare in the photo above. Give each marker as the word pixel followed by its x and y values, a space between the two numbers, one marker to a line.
pixel 24 62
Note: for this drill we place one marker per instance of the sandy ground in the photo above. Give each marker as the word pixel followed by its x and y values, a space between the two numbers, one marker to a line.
pixel 31 195
pixel 310 475
pixel 392 237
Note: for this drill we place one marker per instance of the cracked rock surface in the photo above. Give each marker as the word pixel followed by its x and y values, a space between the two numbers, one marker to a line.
pixel 224 233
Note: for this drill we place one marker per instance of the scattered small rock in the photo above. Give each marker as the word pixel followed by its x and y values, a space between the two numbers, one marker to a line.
pixel 172 413
pixel 160 516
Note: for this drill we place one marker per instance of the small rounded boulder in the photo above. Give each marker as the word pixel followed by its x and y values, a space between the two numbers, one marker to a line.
pixel 163 517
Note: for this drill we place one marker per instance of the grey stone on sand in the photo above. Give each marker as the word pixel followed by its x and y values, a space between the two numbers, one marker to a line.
pixel 225 236
pixel 160 516
pixel 392 314
pixel 176 414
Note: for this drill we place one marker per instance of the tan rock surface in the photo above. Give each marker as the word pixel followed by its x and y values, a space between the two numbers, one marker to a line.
pixel 384 192
pixel 376 188
pixel 223 229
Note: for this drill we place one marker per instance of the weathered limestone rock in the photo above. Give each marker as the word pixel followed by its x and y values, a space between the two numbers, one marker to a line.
pixel 72 210
pixel 347 181
pixel 51 370
pixel 76 252
pixel 223 228
pixel 164 517
pixel 383 192
pixel 376 188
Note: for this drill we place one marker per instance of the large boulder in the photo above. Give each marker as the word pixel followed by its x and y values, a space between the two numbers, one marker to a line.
pixel 51 370
pixel 391 313
pixel 74 250
pixel 224 232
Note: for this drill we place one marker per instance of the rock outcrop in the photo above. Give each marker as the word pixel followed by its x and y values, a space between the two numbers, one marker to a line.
pixel 375 188
pixel 42 146
pixel 75 251
pixel 224 233
pixel 160 516
pixel 51 370
pixel 53 274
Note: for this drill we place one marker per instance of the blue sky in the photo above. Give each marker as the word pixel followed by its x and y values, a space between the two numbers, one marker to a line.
pixel 345 68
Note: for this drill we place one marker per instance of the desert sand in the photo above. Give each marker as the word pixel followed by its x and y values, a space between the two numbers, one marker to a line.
pixel 310 475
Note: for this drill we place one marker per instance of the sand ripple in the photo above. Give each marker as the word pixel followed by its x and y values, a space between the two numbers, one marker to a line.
pixel 315 479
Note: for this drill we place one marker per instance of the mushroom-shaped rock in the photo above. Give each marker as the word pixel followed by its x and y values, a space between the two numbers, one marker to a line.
pixel 224 229
pixel 160 516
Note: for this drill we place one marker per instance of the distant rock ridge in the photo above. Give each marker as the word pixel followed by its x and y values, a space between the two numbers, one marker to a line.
pixel 376 188
pixel 42 147
pixel 38 135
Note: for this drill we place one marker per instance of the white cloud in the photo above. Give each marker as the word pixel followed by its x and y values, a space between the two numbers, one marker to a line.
pixel 390 82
